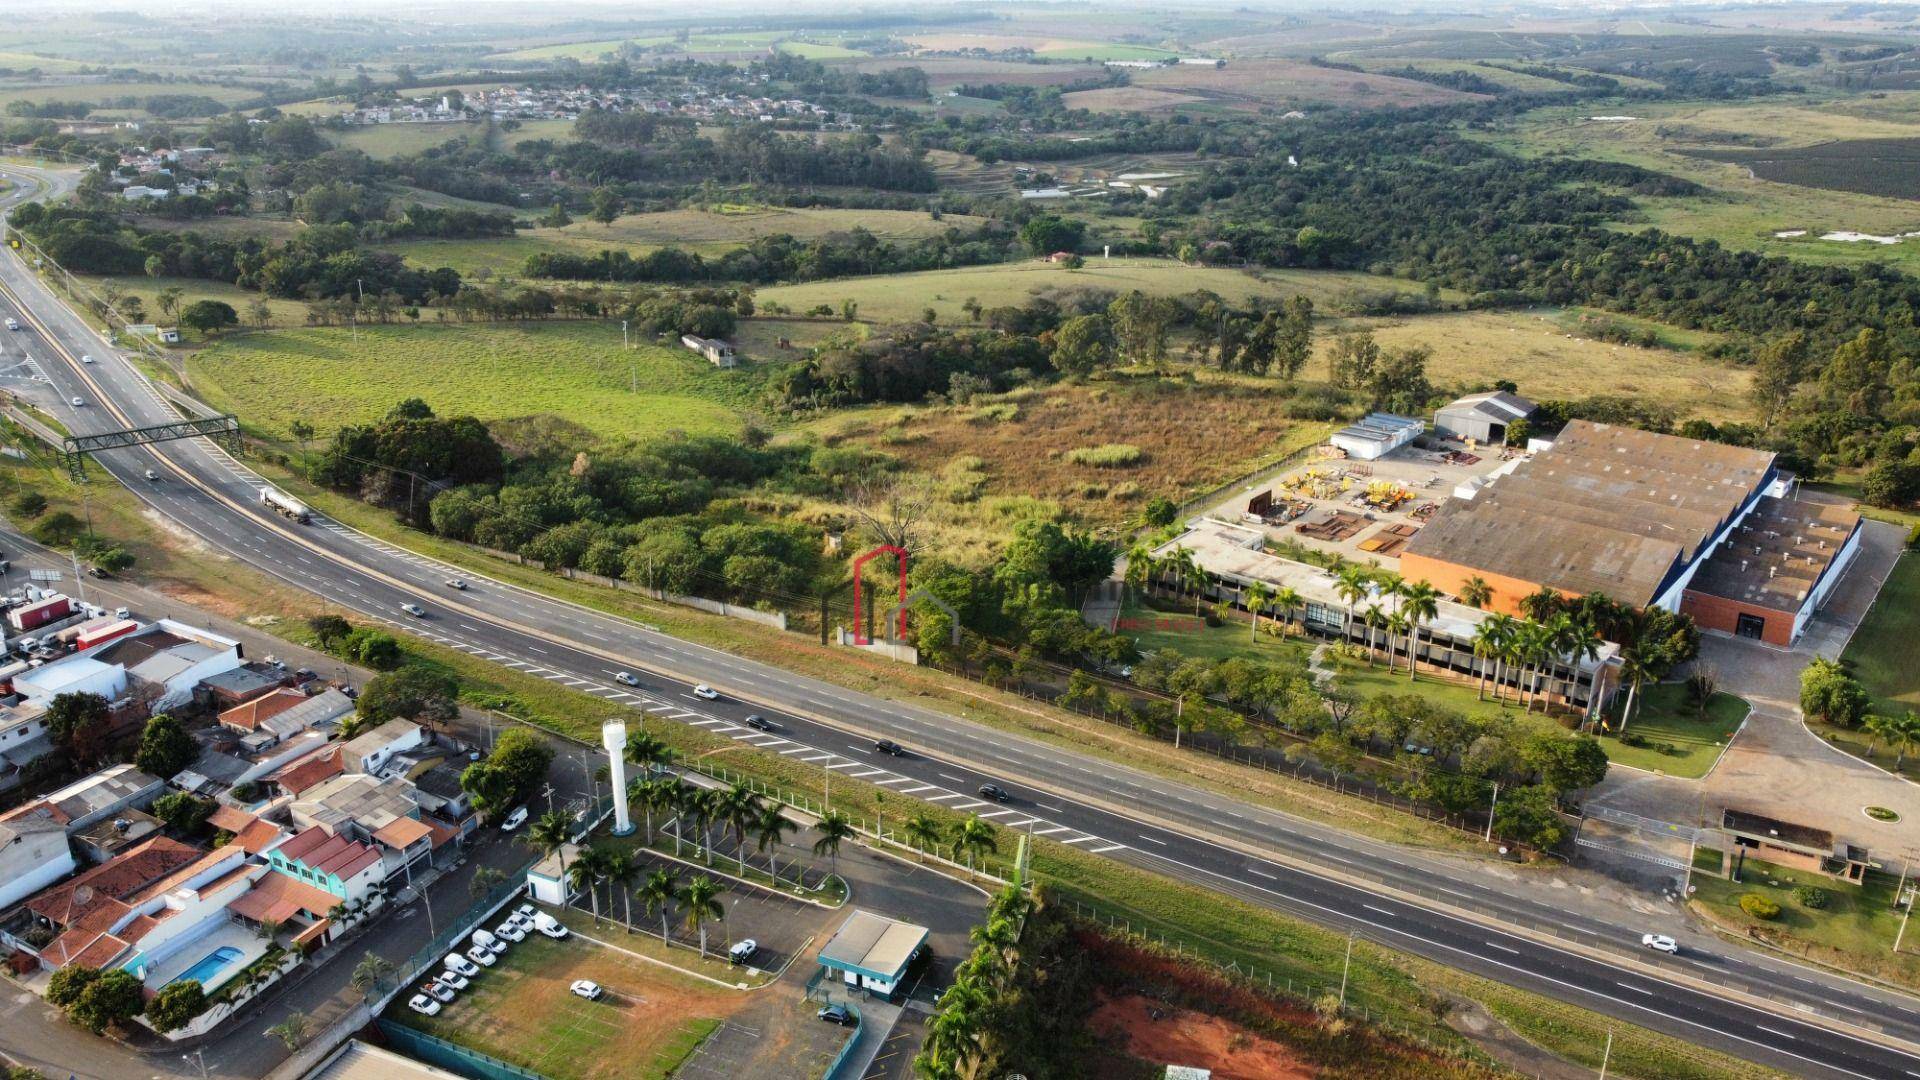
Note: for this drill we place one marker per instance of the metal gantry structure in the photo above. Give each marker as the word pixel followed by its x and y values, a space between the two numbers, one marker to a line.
pixel 225 428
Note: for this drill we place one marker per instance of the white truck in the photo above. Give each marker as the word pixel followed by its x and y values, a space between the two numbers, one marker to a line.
pixel 285 505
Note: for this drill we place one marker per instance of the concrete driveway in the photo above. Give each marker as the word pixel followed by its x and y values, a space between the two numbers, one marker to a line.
pixel 1774 765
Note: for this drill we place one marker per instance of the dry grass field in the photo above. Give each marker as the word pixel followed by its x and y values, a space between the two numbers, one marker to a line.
pixel 948 71
pixel 522 1012
pixel 1019 446
pixel 1263 84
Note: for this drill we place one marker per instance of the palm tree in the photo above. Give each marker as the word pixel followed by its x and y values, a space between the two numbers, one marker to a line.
pixel 369 972
pixel 1877 727
pixel 1904 737
pixel 1353 585
pixel 656 793
pixel 585 875
pixel 974 837
pixel 1186 565
pixel 550 835
pixel 1475 592
pixel 737 808
pixel 619 869
pixel 1141 567
pixel 658 893
pixel 1398 625
pixel 1288 600
pixel 1537 647
pixel 1421 603
pixel 924 831
pixel 1635 668
pixel 690 806
pixel 292 1031
pixel 700 905
pixel 833 828
pixel 1373 616
pixel 1258 596
pixel 648 752
pixel 1503 631
pixel 770 829
pixel 1485 646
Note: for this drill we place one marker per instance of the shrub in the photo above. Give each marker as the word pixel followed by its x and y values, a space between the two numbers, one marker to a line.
pixel 1759 906
pixel 1811 896
pixel 33 504
pixel 1107 456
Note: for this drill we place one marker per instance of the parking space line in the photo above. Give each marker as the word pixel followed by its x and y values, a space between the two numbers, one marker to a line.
pixel 1109 847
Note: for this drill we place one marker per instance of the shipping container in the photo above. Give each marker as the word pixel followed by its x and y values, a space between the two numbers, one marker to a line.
pixel 104 630
pixel 40 613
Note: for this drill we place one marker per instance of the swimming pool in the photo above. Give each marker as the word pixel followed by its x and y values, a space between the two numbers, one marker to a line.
pixel 209 966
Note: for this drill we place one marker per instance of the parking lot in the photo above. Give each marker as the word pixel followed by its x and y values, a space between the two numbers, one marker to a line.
pixel 776 1038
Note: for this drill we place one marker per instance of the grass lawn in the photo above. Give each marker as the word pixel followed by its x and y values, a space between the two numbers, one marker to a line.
pixel 1885 651
pixel 899 297
pixel 395 140
pixel 522 1012
pixel 285 312
pixel 1855 930
pixel 574 373
pixel 1676 741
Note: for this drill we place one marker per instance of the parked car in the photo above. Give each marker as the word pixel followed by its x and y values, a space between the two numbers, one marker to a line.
pixel 547 925
pixel 510 931
pixel 516 818
pixel 759 723
pixel 448 978
pixel 424 1005
pixel 836 1014
pixel 1660 943
pixel 414 610
pixel 460 965
pixel 525 912
pixel 484 940
pixel 438 992
pixel 743 950
pixel 588 989
pixel 703 691
pixel 457 584
pixel 888 746
pixel 625 678
pixel 994 792
pixel 480 955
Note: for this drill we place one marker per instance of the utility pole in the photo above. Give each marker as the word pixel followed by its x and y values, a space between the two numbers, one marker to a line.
pixel 200 1057
pixel 623 335
pixel 1491 807
pixel 1345 968
pixel 1606 1056
pixel 548 791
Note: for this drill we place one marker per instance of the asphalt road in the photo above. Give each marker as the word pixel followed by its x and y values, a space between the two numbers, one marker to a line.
pixel 1084 801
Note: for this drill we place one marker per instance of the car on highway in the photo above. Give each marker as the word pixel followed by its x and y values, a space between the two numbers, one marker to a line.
pixel 152 476
pixel 78 403
pixel 414 610
pixel 460 965
pixel 994 792
pixel 836 1014
pixel 457 584
pixel 448 978
pixel 588 989
pixel 423 1005
pixel 706 693
pixel 625 678
pixel 13 324
pixel 888 746
pixel 86 358
pixel 758 722
pixel 514 820
pixel 742 951
pixel 1660 943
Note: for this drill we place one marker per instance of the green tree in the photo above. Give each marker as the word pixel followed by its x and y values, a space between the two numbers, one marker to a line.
pixel 1830 695
pixel 29 504
pixel 549 835
pixel 556 216
pixel 292 1031
pixel 1293 343
pixel 65 986
pixel 973 839
pixel 1045 234
pixel 165 747
pixel 1475 592
pixel 168 300
pixel 1352 358
pixel 603 205
pixel 186 812
pixel 770 827
pixel 79 724
pixel 113 998
pixel 176 1005
pixel 700 906
pixel 1894 485
pixel 1083 344
pixel 1140 325
pixel 209 316
pixel 410 692
pixel 1530 816
pixel 1779 367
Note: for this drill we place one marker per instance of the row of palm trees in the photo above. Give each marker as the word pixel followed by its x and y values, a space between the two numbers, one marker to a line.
pixel 970 840
pixel 1533 651
pixel 958 1043
pixel 1900 733
pixel 661 891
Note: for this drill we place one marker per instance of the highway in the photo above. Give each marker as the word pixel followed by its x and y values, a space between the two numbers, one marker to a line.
pixel 1434 907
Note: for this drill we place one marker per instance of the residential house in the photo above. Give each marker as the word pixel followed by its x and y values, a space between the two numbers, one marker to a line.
pixel 298 776
pixel 370 751
pixel 248 832
pixel 101 796
pixel 227 689
pixel 33 855
pixel 718 353
pixel 444 801
pixel 23 738
pixel 284 713
pixel 382 812
pixel 344 868
pixel 108 837
pixel 65 923
pixel 225 762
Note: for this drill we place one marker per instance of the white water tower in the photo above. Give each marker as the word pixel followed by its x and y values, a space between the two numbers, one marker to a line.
pixel 613 736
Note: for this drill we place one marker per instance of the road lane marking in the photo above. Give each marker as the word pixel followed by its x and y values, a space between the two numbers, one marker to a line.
pixel 1050 832
pixel 1109 847
pixel 1502 948
pixel 1381 910
pixel 1635 989
pixel 1262 873
pixel 950 776
pixel 1771 1031
pixel 1080 840
pixel 1152 840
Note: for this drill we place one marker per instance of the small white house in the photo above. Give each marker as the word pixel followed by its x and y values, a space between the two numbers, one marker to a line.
pixel 369 752
pixel 546 879
pixel 33 855
pixel 872 952
pixel 718 353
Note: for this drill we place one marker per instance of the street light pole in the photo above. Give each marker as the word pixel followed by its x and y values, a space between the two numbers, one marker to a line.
pixel 199 1057
pixel 1606 1056
pixel 1345 968
pixel 1491 807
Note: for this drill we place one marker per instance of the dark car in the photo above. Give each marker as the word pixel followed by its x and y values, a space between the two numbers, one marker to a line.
pixel 758 722
pixel 836 1014
pixel 994 792
pixel 888 746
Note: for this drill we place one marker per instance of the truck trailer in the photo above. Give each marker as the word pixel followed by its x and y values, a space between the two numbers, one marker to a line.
pixel 285 505
pixel 39 613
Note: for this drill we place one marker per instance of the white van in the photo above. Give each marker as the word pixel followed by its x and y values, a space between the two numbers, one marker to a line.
pixel 482 939
pixel 460 965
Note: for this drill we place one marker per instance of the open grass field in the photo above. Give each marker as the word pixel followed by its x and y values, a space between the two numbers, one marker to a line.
pixel 1517 81
pixel 1743 210
pixel 1259 84
pixel 97 92
pixel 901 297
pixel 948 71
pixel 1676 741
pixel 813 50
pixel 530 130
pixel 1544 352
pixel 1885 651
pixel 521 1011
pixel 285 312
pixel 395 140
pixel 571 373
pixel 1854 931
pixel 1191 436
pixel 740 41
pixel 709 232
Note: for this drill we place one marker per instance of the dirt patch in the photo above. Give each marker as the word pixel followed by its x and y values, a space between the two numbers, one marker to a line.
pixel 1291 84
pixel 1506 1046
pixel 1182 1037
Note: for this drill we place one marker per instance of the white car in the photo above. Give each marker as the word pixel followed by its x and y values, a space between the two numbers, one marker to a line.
pixel 13 324
pixel 552 929
pixel 438 992
pixel 457 584
pixel 625 678
pixel 414 610
pixel 86 358
pixel 424 1005
pixel 743 950
pixel 1660 943
pixel 481 955
pixel 703 691
pixel 448 978
pixel 79 403
pixel 588 989
pixel 525 912
pixel 460 965
pixel 514 820
pixel 510 931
